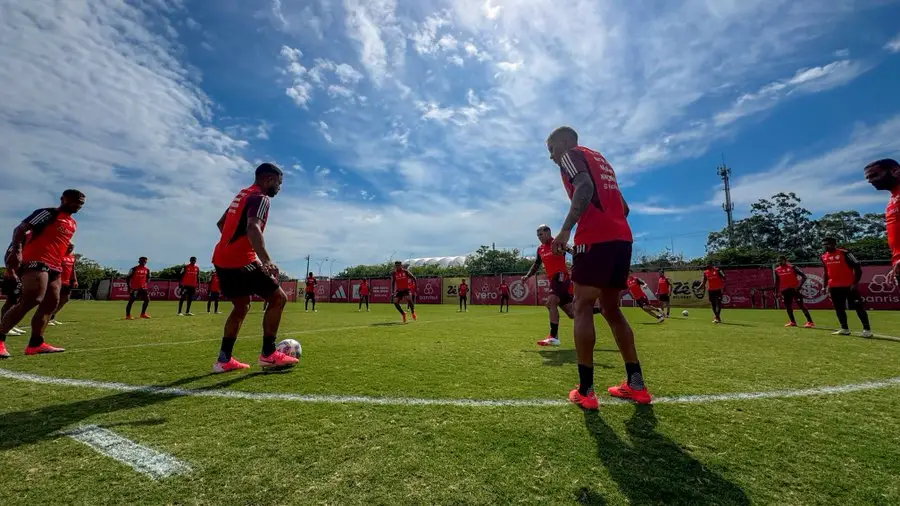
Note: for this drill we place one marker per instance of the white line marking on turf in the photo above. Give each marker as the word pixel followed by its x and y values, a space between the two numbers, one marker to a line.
pixel 144 460
pixel 412 401
pixel 292 333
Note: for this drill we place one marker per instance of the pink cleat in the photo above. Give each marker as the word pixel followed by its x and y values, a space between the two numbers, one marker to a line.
pixel 231 365
pixel 790 324
pixel 809 325
pixel 588 402
pixel 43 348
pixel 277 359
pixel 3 352
pixel 548 341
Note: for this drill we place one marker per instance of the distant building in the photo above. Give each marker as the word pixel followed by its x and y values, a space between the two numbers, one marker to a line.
pixel 457 261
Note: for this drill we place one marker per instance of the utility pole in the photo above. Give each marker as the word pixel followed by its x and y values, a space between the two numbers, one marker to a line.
pixel 725 173
pixel 307 266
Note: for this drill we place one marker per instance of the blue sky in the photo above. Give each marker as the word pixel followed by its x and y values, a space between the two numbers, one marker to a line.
pixel 412 129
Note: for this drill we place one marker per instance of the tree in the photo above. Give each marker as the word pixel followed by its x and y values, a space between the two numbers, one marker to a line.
pixel 488 260
pixel 88 271
pixel 869 249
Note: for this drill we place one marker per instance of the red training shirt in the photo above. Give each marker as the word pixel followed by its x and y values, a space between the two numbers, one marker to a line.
pixel 787 277
pixel 364 288
pixel 892 216
pixel 604 220
pixel 401 280
pixel 714 279
pixel 68 271
pixel 504 289
pixel 553 264
pixel 663 286
pixel 635 288
pixel 51 232
pixel 140 277
pixel 463 289
pixel 840 272
pixel 234 250
pixel 310 284
pixel 214 285
pixel 191 276
pixel 412 286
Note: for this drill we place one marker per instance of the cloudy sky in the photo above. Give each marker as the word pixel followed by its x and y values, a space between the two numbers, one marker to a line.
pixel 416 128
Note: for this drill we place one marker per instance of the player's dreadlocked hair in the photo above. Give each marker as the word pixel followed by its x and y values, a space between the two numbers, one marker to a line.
pixel 564 133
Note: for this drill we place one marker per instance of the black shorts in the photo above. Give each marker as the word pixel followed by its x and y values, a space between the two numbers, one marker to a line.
pixel 363 297
pixel 188 291
pixel 53 274
pixel 559 286
pixel 462 297
pixel 310 295
pixel 140 293
pixel 715 296
pixel 401 294
pixel 642 302
pixel 845 297
pixel 246 281
pixel 602 265
pixel 663 297
pixel 12 289
pixel 790 295
pixel 504 297
pixel 213 296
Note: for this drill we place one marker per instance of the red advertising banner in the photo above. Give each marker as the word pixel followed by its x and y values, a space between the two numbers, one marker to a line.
pixel 744 286
pixel 485 290
pixel 874 288
pixel 340 290
pixel 543 290
pixel 119 290
pixel 290 289
pixel 428 291
pixel 380 290
pixel 158 290
pixel 323 289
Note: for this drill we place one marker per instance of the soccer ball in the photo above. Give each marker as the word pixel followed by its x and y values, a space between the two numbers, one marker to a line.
pixel 684 313
pixel 290 347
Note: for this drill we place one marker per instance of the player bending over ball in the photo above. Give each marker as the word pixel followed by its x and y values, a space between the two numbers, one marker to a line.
pixel 600 265
pixel 636 290
pixel 38 247
pixel 245 269
pixel 558 275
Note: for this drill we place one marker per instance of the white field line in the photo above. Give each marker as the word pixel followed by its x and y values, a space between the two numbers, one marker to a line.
pixel 825 329
pixel 281 334
pixel 412 401
pixel 144 460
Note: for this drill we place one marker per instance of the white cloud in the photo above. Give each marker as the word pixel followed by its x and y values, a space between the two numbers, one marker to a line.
pixel 373 25
pixel 305 79
pixel 456 60
pixel 347 74
pixel 828 181
pixel 323 129
pixel 893 45
pixel 93 99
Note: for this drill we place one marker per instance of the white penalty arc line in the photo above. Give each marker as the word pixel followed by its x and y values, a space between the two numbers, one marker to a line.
pixel 412 401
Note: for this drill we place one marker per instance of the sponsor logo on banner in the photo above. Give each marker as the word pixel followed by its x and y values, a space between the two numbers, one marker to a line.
pixel 340 293
pixel 484 295
pixel 813 290
pixel 518 291
pixel 428 291
pixel 380 290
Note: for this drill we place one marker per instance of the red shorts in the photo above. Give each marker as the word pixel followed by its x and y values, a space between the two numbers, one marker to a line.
pixel 602 265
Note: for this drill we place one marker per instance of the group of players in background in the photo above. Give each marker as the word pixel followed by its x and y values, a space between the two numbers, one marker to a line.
pixel 40 270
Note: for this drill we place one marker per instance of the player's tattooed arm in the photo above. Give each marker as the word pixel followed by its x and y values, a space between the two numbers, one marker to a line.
pixel 534 267
pixel 856 266
pixel 800 273
pixel 581 199
pixel 255 235
pixel 625 205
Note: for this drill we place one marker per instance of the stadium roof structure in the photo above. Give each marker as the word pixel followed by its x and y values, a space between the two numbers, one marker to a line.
pixel 457 261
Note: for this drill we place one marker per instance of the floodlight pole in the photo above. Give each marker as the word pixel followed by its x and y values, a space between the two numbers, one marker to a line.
pixel 725 173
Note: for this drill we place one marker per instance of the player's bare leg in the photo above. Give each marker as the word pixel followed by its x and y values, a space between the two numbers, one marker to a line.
pixel 553 308
pixel 233 324
pixel 34 290
pixel 63 300
pixel 397 302
pixel 802 306
pixel 41 318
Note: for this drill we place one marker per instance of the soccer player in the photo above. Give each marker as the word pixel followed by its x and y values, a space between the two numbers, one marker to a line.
pixel 400 279
pixel 558 275
pixel 190 280
pixel 39 255
pixel 885 175
pixel 663 292
pixel 311 284
pixel 463 291
pixel 788 280
pixel 600 264
pixel 138 279
pixel 636 289
pixel 12 288
pixel 213 293
pixel 364 295
pixel 246 269
pixel 69 282
pixel 842 275
pixel 504 296
pixel 715 278
pixel 412 293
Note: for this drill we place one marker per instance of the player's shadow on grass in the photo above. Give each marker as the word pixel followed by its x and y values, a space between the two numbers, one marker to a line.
pixel 650 468
pixel 560 357
pixel 49 422
pixel 386 324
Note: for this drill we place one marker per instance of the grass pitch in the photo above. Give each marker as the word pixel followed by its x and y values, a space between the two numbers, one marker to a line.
pixel 839 448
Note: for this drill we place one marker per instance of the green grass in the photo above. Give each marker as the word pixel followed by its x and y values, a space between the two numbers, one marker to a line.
pixel 830 449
